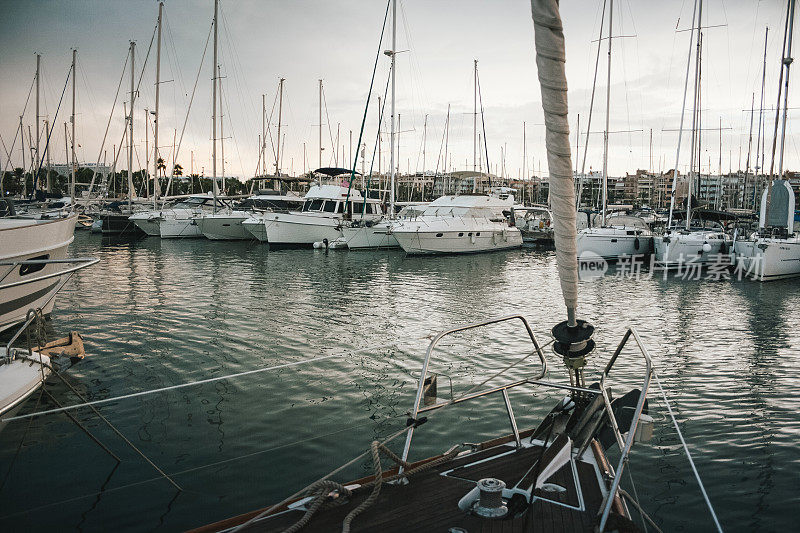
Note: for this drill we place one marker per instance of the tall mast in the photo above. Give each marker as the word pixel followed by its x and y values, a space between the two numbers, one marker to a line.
pixel 320 125
pixel 214 110
pixel 47 152
pixel 280 114
pixel 72 120
pixel 38 157
pixel 759 139
pixel 391 157
pixel 221 130
pixel 475 126
pixel 147 155
pixel 525 158
pixel 608 108
pixel 787 61
pixel 262 140
pixel 695 112
pixel 22 137
pixel 130 129
pixel 156 185
pixel 424 146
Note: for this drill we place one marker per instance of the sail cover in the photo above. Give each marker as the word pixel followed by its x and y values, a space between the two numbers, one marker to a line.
pixel 550 58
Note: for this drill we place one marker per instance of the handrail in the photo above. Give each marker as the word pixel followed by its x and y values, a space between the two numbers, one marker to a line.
pixel 83 263
pixel 416 409
pixel 626 448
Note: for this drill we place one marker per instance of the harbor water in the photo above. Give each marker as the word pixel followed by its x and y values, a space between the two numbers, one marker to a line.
pixel 157 313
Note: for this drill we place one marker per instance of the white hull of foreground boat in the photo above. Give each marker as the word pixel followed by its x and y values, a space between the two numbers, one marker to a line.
pixel 612 243
pixel 20 240
pixel 300 229
pixel 679 249
pixel 767 258
pixel 225 226
pixel 370 237
pixel 19 379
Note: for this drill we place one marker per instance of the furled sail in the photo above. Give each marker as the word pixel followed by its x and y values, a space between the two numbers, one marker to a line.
pixel 550 59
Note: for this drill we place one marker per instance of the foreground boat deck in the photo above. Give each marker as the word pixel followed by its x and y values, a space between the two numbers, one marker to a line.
pixel 429 502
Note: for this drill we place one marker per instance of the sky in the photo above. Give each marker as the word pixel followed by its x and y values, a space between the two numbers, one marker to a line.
pixel 303 41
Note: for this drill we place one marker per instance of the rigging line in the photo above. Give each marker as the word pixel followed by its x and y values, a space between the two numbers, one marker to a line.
pixel 200 382
pixel 377 140
pixel 50 134
pixel 328 118
pixel 366 109
pixel 264 140
pixel 185 471
pixel 108 124
pixel 483 125
pixel 188 110
pixel 591 105
pixel 688 454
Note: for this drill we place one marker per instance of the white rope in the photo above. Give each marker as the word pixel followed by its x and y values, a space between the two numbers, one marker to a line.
pixel 199 382
pixel 688 455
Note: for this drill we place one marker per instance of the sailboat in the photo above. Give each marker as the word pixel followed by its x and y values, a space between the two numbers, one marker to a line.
pixel 697 243
pixel 615 237
pixel 773 252
pixel 553 476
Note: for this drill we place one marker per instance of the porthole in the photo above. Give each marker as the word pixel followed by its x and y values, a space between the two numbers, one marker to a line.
pixel 24 270
pixel 439 234
pixel 461 234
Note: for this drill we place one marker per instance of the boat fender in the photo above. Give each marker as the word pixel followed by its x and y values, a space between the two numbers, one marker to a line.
pixel 706 247
pixel 636 243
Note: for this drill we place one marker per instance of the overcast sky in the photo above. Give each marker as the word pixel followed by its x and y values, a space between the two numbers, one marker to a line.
pixel 304 41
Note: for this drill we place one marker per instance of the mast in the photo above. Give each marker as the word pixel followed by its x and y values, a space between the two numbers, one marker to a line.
pixel 147 154
pixel 156 185
pixel 280 111
pixel 221 130
pixel 424 146
pixel 475 126
pixel 608 107
pixel 38 157
pixel 214 110
pixel 759 139
pixel 525 158
pixel 749 149
pixel 66 142
pixel 22 137
pixel 262 140
pixel 391 157
pixel 72 121
pixel 787 61
pixel 129 114
pixel 47 153
pixel 695 112
pixel 320 125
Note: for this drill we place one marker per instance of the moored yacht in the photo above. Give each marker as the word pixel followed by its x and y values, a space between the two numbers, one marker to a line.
pixel 227 224
pixel 366 235
pixel 620 236
pixel 460 224
pixel 180 221
pixel 772 252
pixel 319 219
pixel 704 242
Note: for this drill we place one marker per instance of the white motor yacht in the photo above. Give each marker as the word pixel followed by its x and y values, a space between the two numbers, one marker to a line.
pixel 772 252
pixel 460 224
pixel 227 224
pixel 320 219
pixel 377 234
pixel 180 221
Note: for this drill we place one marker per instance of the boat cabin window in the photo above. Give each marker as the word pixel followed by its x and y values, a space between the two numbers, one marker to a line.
pixel 330 206
pixel 312 205
pixel 24 270
pixel 340 207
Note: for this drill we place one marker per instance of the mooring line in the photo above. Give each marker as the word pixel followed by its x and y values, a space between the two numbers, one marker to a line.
pixel 195 383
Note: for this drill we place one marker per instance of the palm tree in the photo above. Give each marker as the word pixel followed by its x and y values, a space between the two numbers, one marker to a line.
pixel 177 169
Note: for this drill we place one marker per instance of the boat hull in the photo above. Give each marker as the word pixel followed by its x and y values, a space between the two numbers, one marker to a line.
pixel 147 222
pixel 458 241
pixel 768 259
pixel 678 250
pixel 180 228
pixel 365 238
pixel 294 229
pixel 256 228
pixel 119 225
pixel 224 227
pixel 612 243
pixel 42 240
pixel 19 379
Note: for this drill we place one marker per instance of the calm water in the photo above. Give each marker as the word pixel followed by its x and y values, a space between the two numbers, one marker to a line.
pixel 158 313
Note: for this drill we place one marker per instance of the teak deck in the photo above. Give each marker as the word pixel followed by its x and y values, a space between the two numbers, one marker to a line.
pixel 429 502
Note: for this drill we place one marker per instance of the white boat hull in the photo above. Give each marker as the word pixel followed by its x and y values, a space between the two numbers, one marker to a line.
pixel 611 243
pixel 40 240
pixel 365 238
pixel 256 228
pixel 298 229
pixel 147 222
pixel 767 259
pixel 224 227
pixel 458 241
pixel 19 379
pixel 676 250
pixel 173 228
